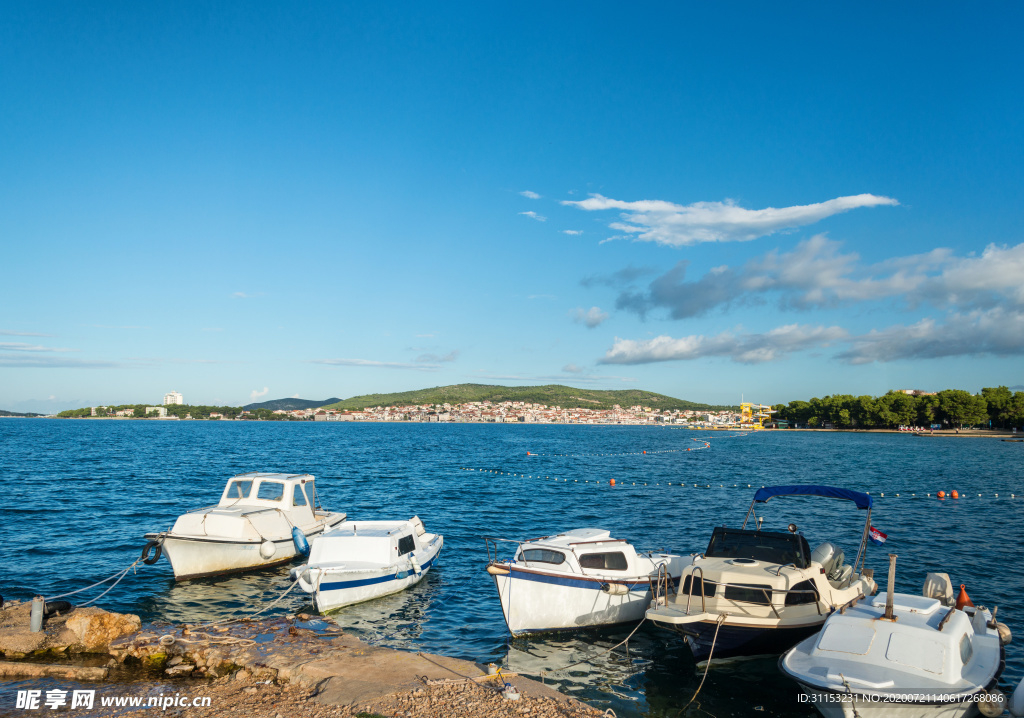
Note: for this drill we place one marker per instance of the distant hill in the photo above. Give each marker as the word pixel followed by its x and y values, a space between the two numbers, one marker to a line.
pixel 290 404
pixel 552 394
pixel 14 413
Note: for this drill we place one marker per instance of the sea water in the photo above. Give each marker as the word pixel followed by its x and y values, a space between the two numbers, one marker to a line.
pixel 76 496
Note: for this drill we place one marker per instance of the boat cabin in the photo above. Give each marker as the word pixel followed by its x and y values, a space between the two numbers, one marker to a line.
pixel 370 543
pixel 256 505
pixel 582 551
pixel 767 546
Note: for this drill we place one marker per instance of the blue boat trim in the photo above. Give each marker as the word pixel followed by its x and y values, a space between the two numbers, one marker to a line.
pixel 340 585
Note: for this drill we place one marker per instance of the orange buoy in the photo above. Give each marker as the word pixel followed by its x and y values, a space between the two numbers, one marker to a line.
pixel 954 494
pixel 645 452
pixel 941 494
pixel 527 453
pixel 612 482
pixel 963 599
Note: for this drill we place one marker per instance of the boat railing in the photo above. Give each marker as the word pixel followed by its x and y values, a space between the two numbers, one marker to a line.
pixel 768 593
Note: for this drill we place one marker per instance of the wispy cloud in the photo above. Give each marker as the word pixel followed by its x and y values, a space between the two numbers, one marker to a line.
pixel 22 347
pixel 998 331
pixel 35 361
pixel 534 215
pixel 256 393
pixel 573 232
pixel 114 326
pixel 573 369
pixel 438 358
pixel 817 273
pixel 741 348
pixel 247 295
pixel 529 195
pixel 621 278
pixel 377 364
pixel 24 334
pixel 677 225
pixel 592 317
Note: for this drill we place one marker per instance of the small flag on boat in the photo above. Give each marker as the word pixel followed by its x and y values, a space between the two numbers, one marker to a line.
pixel 876 536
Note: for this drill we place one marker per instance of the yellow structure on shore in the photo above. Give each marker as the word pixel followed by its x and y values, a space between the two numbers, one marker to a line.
pixel 752 416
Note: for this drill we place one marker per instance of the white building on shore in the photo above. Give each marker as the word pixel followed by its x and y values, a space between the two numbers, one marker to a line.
pixel 173 397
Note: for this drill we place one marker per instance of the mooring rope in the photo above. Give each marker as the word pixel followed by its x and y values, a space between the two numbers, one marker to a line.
pixel 118 575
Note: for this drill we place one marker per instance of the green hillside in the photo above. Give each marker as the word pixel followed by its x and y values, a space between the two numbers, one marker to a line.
pixel 552 394
pixel 290 404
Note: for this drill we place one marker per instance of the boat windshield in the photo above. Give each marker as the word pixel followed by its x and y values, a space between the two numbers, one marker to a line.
pixel 767 546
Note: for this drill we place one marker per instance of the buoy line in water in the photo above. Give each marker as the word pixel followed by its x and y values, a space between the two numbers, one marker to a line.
pixel 941 495
pixel 643 452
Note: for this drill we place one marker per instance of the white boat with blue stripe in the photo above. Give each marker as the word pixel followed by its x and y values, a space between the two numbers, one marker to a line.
pixel 578 579
pixel 362 560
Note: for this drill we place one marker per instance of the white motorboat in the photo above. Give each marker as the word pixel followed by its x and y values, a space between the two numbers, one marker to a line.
pixel 578 579
pixel 755 592
pixel 261 520
pixel 903 656
pixel 361 560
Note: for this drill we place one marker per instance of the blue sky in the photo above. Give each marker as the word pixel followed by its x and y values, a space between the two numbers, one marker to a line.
pixel 251 201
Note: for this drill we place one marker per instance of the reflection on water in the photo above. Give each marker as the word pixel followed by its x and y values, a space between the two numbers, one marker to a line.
pixel 77 496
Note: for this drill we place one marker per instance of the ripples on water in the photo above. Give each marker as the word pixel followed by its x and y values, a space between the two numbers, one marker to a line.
pixel 76 497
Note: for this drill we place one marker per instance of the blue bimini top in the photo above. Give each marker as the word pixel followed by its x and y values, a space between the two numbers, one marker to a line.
pixel 862 500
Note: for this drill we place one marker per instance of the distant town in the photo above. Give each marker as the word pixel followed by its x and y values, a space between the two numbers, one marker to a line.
pixel 507 412
pixel 898 409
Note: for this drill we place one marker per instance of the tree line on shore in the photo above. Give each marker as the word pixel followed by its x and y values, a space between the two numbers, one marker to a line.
pixel 182 411
pixel 997 407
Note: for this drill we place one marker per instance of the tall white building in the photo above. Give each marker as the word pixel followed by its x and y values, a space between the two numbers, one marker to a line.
pixel 173 397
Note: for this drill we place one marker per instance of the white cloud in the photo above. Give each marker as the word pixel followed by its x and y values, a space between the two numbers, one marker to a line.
pixel 534 215
pixel 24 334
pixel 256 394
pixel 676 225
pixel 529 195
pixel 816 273
pixel 438 358
pixel 374 364
pixel 573 232
pixel 998 331
pixel 34 361
pixel 22 347
pixel 572 369
pixel 742 348
pixel 592 317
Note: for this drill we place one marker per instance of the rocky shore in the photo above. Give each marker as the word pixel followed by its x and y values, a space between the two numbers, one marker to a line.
pixel 297 667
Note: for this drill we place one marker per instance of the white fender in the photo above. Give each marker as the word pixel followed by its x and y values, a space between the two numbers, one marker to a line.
pixel 1017 701
pixel 268 549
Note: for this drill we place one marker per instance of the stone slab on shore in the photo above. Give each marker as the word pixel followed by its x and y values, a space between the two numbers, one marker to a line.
pixel 272 668
pixel 79 630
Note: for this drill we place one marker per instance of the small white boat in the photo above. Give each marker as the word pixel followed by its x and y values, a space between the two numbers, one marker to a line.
pixel 902 656
pixel 578 579
pixel 361 560
pixel 261 520
pixel 755 592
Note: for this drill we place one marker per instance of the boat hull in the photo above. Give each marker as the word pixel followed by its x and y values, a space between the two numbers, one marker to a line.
pixel 838 705
pixel 337 589
pixel 535 602
pixel 740 641
pixel 196 557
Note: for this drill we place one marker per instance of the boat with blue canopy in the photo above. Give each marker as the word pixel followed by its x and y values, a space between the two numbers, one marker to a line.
pixel 758 592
